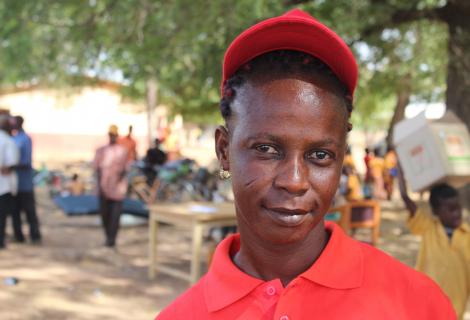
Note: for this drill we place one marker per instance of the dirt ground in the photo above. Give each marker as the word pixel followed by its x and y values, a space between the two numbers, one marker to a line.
pixel 72 276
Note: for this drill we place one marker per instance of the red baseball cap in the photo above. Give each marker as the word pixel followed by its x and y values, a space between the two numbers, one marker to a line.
pixel 295 30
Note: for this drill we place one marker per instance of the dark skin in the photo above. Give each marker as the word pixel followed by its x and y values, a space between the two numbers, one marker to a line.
pixel 449 210
pixel 284 147
pixel 112 138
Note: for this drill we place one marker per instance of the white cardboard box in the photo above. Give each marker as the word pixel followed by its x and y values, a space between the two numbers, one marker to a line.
pixel 433 151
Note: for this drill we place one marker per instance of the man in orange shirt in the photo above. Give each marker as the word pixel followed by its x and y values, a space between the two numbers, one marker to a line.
pixel 130 145
pixel 286 100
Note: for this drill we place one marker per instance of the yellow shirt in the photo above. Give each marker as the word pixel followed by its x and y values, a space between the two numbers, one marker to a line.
pixel 390 160
pixel 446 261
pixel 354 187
pixel 376 165
pixel 349 161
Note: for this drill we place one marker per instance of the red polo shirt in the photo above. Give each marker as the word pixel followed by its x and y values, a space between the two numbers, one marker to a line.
pixel 350 280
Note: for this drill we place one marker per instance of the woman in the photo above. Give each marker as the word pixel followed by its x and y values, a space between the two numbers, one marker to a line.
pixel 286 119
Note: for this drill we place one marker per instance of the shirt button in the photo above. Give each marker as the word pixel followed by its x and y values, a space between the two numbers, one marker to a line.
pixel 271 291
pixel 284 318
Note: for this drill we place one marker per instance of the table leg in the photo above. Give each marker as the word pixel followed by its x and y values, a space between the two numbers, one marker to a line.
pixel 196 253
pixel 153 226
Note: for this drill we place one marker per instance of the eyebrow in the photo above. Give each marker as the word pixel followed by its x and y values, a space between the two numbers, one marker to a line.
pixel 268 136
pixel 263 135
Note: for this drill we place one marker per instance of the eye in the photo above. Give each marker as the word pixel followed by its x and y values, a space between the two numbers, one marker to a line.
pixel 265 148
pixel 320 155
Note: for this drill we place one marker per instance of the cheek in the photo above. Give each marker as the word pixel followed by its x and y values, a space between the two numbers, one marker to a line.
pixel 325 182
pixel 250 177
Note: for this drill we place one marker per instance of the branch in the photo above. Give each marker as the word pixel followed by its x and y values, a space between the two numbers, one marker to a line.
pixel 403 16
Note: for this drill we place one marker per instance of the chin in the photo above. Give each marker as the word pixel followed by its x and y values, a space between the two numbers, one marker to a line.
pixel 287 235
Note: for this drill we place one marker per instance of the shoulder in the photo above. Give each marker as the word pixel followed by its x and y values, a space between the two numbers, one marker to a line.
pixel 378 264
pixel 24 136
pixel 21 137
pixel 11 143
pixel 100 149
pixel 416 292
pixel 6 140
pixel 189 305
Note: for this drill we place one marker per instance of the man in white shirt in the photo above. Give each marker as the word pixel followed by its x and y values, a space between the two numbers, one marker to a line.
pixel 9 157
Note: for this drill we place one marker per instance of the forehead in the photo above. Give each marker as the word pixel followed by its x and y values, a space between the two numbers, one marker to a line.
pixel 294 106
pixel 448 202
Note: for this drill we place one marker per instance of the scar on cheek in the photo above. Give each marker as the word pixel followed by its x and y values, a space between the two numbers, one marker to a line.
pixel 249 183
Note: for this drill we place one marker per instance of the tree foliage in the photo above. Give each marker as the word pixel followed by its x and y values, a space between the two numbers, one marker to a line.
pixel 400 45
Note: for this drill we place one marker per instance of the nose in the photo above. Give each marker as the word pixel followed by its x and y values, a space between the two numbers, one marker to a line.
pixel 292 176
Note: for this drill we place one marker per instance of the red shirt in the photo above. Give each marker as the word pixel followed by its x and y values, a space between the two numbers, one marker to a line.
pixel 350 280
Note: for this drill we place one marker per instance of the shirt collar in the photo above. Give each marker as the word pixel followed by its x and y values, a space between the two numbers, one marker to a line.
pixel 340 266
pixel 224 282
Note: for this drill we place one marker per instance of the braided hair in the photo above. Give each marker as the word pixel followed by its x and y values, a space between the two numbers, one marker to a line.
pixel 281 62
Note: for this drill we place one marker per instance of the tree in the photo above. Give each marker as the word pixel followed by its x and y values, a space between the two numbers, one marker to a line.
pixel 180 44
pixel 455 15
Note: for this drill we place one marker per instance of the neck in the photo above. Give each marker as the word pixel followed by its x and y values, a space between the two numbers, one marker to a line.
pixel 280 261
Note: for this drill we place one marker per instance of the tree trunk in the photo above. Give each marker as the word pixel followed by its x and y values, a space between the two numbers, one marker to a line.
pixel 152 97
pixel 403 98
pixel 458 79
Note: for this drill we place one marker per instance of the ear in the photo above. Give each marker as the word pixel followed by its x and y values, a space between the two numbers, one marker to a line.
pixel 222 143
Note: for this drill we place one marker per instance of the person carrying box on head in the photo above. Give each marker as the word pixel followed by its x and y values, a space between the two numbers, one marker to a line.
pixel 444 254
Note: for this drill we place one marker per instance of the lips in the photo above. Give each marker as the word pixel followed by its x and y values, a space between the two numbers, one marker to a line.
pixel 288 217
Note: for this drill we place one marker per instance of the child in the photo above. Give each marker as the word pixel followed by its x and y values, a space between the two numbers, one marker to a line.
pixel 377 172
pixel 390 171
pixel 445 247
pixel 75 186
pixel 353 185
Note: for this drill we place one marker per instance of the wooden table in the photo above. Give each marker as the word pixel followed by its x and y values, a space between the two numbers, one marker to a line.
pixel 196 216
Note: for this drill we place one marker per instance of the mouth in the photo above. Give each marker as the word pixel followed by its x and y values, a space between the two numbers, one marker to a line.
pixel 288 217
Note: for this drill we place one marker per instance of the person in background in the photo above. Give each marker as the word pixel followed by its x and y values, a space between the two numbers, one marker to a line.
pixel 111 166
pixel 367 158
pixel 390 171
pixel 75 186
pixel 155 155
pixel 130 144
pixel 376 164
pixel 444 254
pixel 348 159
pixel 367 188
pixel 353 189
pixel 9 157
pixel 25 199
